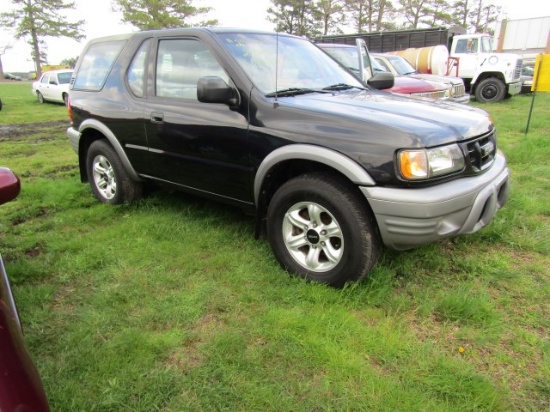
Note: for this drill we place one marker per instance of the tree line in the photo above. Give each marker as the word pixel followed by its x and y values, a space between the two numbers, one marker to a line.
pixel 35 20
pixel 314 18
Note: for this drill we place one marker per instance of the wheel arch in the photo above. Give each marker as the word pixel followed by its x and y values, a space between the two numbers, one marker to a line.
pixel 292 160
pixel 92 130
pixel 485 75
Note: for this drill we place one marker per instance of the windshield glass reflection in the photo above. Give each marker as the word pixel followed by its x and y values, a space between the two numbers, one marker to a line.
pixel 276 63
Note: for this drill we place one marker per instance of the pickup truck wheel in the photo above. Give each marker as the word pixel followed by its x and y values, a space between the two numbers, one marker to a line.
pixel 320 230
pixel 490 90
pixel 108 178
pixel 40 97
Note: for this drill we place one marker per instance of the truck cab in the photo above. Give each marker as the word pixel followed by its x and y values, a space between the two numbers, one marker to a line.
pixel 490 76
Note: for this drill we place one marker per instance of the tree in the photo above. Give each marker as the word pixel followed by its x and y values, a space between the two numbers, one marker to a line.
pixel 160 14
pixel 384 10
pixel 37 19
pixel 361 14
pixel 461 8
pixel 331 13
pixel 370 15
pixel 483 15
pixel 294 17
pixel 476 15
pixel 414 11
pixel 439 14
pixel 71 62
pixel 3 49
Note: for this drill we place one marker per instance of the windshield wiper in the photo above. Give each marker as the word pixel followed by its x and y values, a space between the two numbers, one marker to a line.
pixel 342 86
pixel 291 91
pixel 295 91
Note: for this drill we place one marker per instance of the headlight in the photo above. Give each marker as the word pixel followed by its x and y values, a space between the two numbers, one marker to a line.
pixel 427 163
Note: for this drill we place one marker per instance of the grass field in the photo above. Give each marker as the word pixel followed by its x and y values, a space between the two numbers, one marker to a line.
pixel 170 304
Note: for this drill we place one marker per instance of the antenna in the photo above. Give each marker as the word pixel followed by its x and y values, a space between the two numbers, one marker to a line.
pixel 276 65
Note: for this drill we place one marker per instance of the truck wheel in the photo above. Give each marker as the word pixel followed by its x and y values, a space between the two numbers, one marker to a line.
pixel 319 229
pixel 40 97
pixel 108 178
pixel 490 90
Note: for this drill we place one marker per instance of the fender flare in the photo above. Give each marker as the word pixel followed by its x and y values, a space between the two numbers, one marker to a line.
pixel 105 131
pixel 329 157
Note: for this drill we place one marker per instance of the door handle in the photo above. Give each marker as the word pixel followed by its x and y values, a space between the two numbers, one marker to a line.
pixel 157 117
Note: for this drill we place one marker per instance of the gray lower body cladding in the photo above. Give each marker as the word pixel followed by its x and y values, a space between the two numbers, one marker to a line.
pixel 412 217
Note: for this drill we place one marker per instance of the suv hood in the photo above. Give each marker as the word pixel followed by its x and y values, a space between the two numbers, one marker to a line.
pixel 425 121
pixel 437 78
pixel 408 85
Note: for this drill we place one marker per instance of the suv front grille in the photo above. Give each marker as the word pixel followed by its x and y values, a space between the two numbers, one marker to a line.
pixel 458 90
pixel 481 152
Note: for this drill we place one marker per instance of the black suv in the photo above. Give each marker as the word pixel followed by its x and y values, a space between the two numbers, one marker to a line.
pixel 331 167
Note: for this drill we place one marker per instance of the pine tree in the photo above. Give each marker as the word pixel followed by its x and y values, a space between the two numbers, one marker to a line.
pixel 160 14
pixel 36 19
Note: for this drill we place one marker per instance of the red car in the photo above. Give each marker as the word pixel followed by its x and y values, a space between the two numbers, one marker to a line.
pixel 20 385
pixel 348 55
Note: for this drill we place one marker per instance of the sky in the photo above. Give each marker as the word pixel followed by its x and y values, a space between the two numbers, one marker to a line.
pixel 102 21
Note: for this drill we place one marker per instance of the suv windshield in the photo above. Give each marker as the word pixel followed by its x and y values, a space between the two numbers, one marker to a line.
pixel 276 63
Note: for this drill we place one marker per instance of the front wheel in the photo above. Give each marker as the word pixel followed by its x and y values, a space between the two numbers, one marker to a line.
pixel 108 178
pixel 490 90
pixel 321 230
pixel 40 97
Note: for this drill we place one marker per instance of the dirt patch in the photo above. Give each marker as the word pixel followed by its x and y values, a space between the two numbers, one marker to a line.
pixel 36 250
pixel 15 131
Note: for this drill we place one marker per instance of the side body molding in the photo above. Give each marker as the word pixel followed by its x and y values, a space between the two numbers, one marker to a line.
pixel 100 127
pixel 331 158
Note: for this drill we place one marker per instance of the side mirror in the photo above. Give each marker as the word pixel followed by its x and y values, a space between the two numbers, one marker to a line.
pixel 381 81
pixel 213 89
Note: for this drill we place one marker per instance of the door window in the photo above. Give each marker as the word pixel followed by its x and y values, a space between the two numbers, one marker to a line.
pixel 180 64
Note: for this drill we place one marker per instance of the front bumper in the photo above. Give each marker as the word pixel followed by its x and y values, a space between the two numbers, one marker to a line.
pixel 462 99
pixel 412 217
pixel 514 88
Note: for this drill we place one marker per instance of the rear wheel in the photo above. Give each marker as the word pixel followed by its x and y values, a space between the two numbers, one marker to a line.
pixel 490 90
pixel 108 178
pixel 65 99
pixel 321 230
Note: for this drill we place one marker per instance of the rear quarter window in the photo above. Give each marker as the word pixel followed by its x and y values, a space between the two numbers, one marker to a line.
pixel 96 64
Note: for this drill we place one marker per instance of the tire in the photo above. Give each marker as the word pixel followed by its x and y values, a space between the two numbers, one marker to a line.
pixel 40 97
pixel 65 98
pixel 321 230
pixel 490 90
pixel 108 178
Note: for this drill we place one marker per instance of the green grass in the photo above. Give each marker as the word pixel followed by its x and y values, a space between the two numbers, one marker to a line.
pixel 170 303
pixel 19 105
